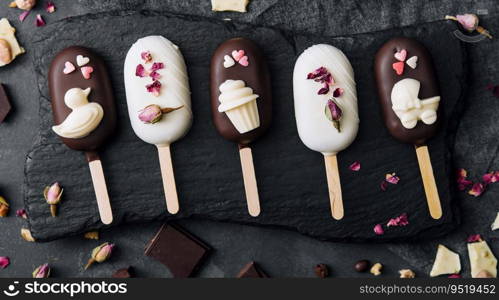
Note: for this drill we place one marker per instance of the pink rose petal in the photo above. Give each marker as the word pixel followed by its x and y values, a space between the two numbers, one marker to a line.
pixel 21 213
pixel 50 7
pixel 140 71
pixel 401 220
pixel 337 92
pixel 378 229
pixel 86 71
pixel 383 185
pixel 477 189
pixel 392 178
pixel 490 177
pixel 157 66
pixel 4 262
pixel 355 166
pixel 24 15
pixel 474 238
pixel 154 88
pixel 454 276
pixel 146 56
pixel 463 183
pixel 317 73
pixel 155 75
pixel 39 21
pixel 324 90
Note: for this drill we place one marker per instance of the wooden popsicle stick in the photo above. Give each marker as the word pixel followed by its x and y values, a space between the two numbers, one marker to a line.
pixel 334 186
pixel 430 186
pixel 100 188
pixel 250 185
pixel 165 161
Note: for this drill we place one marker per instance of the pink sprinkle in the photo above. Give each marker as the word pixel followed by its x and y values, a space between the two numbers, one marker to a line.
pixel 157 66
pixel 155 75
pixel 337 92
pixel 154 88
pixel 474 238
pixel 24 15
pixel 384 185
pixel 401 220
pixel 392 178
pixel 50 7
pixel 146 56
pixel 477 189
pixel 355 166
pixel 68 67
pixel 39 21
pixel 140 71
pixel 237 55
pixel 378 229
pixel 86 71
pixel 4 262
pixel 244 61
pixel 454 276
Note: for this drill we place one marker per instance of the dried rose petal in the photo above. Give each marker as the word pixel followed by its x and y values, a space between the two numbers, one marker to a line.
pixel 50 7
pixel 317 73
pixel 140 71
pixel 355 166
pixel 378 229
pixel 39 21
pixel 474 238
pixel 463 183
pixel 338 92
pixel 454 276
pixel 401 220
pixel 146 56
pixel 383 185
pixel 392 178
pixel 24 15
pixel 155 75
pixel 490 177
pixel 324 90
pixel 4 262
pixel 157 66
pixel 154 88
pixel 477 189
pixel 21 213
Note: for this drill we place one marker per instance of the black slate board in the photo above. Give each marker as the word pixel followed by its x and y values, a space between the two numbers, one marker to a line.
pixel 291 178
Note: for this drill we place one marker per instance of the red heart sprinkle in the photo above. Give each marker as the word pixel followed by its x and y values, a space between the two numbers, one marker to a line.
pixel 398 67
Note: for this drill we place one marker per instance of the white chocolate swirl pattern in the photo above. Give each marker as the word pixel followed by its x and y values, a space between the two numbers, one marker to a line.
pixel 239 103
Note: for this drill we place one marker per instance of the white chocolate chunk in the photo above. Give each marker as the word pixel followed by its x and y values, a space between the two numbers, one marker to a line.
pixel 446 262
pixel 229 5
pixel 7 33
pixel 495 225
pixel 482 259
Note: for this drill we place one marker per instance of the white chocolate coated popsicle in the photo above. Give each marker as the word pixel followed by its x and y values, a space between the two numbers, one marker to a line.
pixel 315 129
pixel 174 91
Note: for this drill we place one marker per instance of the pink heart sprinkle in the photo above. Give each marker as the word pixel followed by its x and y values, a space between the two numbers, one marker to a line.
pixel 237 54
pixel 68 68
pixel 243 61
pixel 86 71
pixel 401 55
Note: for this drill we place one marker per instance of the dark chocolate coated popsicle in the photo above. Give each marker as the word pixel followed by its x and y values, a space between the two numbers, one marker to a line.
pixel 409 96
pixel 229 63
pixel 84 111
pixel 413 63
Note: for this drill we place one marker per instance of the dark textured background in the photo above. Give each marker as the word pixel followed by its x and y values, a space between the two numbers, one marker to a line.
pixel 281 253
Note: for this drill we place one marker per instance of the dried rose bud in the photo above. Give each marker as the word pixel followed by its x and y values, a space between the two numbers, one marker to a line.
pixel 53 195
pixel 100 254
pixel 4 207
pixel 153 113
pixel 91 235
pixel 42 271
pixel 4 262
pixel 468 21
pixel 334 113
pixel 26 235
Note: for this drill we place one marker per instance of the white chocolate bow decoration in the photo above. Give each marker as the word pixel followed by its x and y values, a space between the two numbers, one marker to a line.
pixel 409 108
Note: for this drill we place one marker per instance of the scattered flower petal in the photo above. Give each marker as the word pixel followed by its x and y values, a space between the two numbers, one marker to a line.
pixel 477 189
pixel 392 178
pixel 490 177
pixel 338 92
pixel 383 185
pixel 39 21
pixel 24 15
pixel 154 88
pixel 4 262
pixel 401 220
pixel 157 66
pixel 474 238
pixel 140 71
pixel 463 183
pixel 42 271
pixel 355 166
pixel 155 75
pixel 21 213
pixel 317 73
pixel 146 56
pixel 50 7
pixel 324 90
pixel 378 229
pixel 455 276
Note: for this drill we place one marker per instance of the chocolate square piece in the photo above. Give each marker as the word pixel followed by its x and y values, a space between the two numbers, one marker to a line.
pixel 177 249
pixel 252 270
pixel 4 104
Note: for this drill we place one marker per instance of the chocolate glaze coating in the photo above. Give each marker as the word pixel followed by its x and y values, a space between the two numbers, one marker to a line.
pixel 256 76
pixel 386 78
pixel 102 93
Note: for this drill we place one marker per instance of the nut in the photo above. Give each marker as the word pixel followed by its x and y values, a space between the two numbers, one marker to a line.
pixel 26 235
pixel 92 235
pixel 483 274
pixel 321 270
pixel 407 273
pixel 362 265
pixel 376 269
